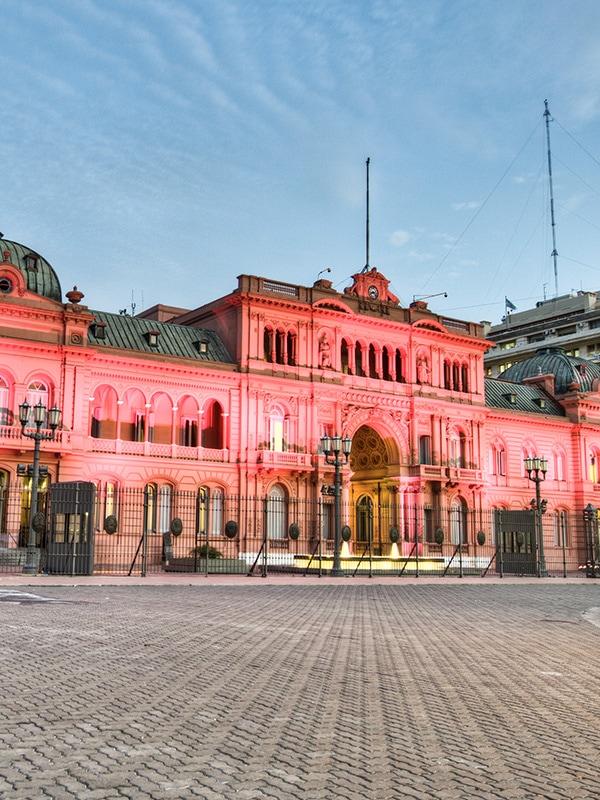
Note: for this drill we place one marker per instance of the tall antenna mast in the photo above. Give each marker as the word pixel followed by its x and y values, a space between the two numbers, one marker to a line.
pixel 554 251
pixel 367 261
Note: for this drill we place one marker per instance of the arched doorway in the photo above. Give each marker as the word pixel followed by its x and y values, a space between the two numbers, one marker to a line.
pixel 364 520
pixel 374 464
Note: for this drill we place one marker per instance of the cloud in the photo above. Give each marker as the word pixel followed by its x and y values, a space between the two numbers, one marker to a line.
pixel 399 238
pixel 469 206
pixel 420 256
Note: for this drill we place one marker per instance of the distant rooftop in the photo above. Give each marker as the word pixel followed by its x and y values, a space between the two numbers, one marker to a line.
pixel 151 336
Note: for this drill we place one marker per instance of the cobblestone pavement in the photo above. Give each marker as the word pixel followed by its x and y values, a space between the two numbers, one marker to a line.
pixel 300 691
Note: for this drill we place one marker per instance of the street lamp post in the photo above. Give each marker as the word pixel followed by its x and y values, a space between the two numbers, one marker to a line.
pixel 536 471
pixel 50 420
pixel 337 451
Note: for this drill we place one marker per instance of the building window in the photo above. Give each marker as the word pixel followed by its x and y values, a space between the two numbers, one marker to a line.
pixel 372 362
pixel 209 511
pixel 594 473
pixel 559 466
pixel 498 460
pixel 560 529
pixel 458 450
pixel 458 522
pixel 157 508
pixel 139 424
pixel 425 449
pixel 276 513
pixel 212 426
pixel 189 432
pixel 428 526
pixel 358 355
pixel 37 392
pixel 345 359
pixel 269 345
pixel 399 368
pixel 277 430
pixel 6 416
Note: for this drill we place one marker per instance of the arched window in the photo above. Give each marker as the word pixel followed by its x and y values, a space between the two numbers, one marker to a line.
pixel 399 368
pixel 160 419
pixel 157 508
pixel 280 346
pixel 358 355
pixel 277 430
pixel 560 529
pixel 458 522
pixel 456 377
pixel 458 449
pixel 202 510
pixel 3 507
pixel 464 378
pixel 292 345
pixel 133 417
pixel 497 459
pixel 364 519
pixel 447 375
pixel 345 358
pixel 558 465
pixel 37 392
pixel 527 451
pixel 6 416
pixel 150 506
pixel 386 358
pixel 269 345
pixel 106 504
pixel 104 413
pixel 216 515
pixel 594 465
pixel 276 513
pixel 212 426
pixel 188 422
pixel 372 362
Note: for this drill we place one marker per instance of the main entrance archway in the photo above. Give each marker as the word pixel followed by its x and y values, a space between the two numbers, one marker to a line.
pixel 373 491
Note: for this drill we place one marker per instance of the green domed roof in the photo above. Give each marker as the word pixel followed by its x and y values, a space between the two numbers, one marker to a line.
pixel 569 371
pixel 40 276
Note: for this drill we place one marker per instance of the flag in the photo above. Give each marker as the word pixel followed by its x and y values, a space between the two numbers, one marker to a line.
pixel 509 306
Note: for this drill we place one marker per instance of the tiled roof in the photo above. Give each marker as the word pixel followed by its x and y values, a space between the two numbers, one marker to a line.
pixel 569 371
pixel 501 393
pixel 133 333
pixel 40 276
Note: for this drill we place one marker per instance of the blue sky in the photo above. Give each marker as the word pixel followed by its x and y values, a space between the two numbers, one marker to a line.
pixel 153 150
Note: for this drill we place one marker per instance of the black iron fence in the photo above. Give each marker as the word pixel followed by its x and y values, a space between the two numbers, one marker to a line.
pixel 141 531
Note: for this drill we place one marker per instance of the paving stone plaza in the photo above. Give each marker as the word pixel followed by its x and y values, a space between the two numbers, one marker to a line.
pixel 301 690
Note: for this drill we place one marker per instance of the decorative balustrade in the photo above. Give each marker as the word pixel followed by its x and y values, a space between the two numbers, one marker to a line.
pixel 13 432
pixel 272 457
pixel 155 450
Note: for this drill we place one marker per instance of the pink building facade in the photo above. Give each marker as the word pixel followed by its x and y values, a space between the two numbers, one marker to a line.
pixel 226 404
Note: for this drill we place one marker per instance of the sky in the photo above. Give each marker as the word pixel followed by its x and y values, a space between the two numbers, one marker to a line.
pixel 154 150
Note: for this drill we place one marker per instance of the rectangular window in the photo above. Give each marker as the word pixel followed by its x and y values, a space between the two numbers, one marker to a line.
pixel 425 449
pixel 138 427
pixel 189 432
pixel 428 529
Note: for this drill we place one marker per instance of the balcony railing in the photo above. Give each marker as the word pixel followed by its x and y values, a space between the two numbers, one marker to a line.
pixel 284 459
pixel 13 432
pixel 155 450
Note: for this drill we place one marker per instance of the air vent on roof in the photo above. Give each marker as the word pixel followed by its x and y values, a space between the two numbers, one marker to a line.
pixel 31 262
pixel 99 330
